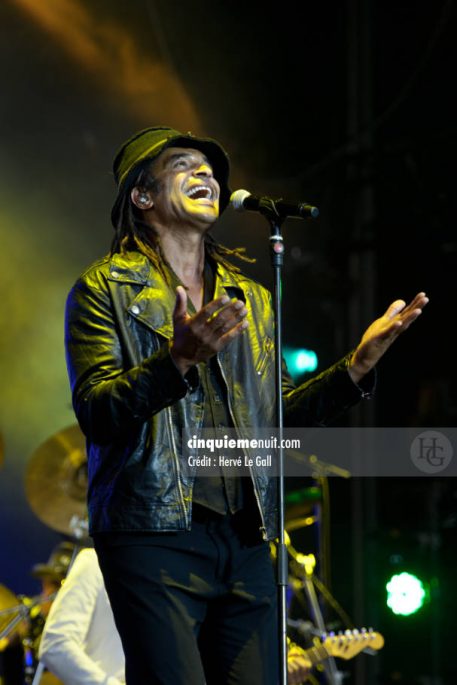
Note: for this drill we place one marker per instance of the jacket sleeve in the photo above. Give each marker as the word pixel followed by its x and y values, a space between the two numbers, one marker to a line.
pixel 110 395
pixel 63 646
pixel 322 399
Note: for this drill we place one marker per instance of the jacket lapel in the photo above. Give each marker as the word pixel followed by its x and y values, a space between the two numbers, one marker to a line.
pixel 154 303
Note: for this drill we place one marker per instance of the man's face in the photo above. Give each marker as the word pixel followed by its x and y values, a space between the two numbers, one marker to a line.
pixel 49 586
pixel 185 190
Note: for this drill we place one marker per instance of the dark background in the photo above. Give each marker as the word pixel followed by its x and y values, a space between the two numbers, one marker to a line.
pixel 348 105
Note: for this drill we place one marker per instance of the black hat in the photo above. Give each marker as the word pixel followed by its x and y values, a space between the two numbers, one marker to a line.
pixel 58 563
pixel 150 142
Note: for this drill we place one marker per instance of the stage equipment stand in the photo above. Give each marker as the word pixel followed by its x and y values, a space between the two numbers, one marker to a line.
pixel 269 210
pixel 308 562
pixel 320 471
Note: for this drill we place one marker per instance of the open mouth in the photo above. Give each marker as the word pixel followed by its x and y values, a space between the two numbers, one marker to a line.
pixel 200 192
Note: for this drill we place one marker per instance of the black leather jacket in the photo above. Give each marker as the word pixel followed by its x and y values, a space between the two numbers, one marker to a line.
pixel 133 404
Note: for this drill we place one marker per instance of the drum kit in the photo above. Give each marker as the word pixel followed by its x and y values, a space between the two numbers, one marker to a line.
pixel 56 487
pixel 56 482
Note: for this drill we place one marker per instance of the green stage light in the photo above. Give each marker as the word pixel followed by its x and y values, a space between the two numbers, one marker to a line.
pixel 405 594
pixel 300 361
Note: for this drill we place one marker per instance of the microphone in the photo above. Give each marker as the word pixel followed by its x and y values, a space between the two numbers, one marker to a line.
pixel 242 200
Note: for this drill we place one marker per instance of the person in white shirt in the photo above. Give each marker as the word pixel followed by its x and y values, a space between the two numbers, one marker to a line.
pixel 80 644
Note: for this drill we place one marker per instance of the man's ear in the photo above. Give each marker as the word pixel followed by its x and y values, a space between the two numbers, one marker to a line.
pixel 141 198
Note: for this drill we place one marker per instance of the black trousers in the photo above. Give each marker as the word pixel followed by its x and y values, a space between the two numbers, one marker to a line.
pixel 194 607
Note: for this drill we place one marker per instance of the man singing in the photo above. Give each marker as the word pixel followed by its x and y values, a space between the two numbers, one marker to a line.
pixel 164 335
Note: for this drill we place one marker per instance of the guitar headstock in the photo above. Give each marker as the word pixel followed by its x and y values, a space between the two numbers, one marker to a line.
pixel 351 642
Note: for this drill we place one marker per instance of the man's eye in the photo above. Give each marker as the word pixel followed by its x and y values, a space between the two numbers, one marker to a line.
pixel 180 164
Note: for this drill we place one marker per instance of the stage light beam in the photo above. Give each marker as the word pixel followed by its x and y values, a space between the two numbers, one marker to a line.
pixel 300 361
pixel 406 594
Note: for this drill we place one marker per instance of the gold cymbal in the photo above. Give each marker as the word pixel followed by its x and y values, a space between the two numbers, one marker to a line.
pixel 56 482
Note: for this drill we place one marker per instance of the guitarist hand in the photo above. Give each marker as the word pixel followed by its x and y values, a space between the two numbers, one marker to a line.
pixel 298 666
pixel 346 646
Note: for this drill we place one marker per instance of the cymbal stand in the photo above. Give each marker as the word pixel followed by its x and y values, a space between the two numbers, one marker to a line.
pixel 20 612
pixel 306 564
pixel 23 612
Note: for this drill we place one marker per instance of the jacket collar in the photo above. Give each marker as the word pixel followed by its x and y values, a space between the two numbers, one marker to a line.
pixel 153 304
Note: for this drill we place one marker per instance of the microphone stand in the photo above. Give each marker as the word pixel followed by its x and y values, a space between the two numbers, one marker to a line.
pixel 268 209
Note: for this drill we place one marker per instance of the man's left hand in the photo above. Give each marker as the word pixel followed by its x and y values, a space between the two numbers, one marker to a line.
pixel 380 335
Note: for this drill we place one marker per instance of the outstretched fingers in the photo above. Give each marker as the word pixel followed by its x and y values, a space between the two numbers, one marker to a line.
pixel 381 334
pixel 219 317
pixel 197 338
pixel 402 314
pixel 395 308
pixel 233 333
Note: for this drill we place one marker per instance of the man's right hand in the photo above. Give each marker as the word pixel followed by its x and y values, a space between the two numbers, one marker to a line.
pixel 199 337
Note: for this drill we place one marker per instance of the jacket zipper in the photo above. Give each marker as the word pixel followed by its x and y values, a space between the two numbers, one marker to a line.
pixel 264 528
pixel 176 460
pixel 263 362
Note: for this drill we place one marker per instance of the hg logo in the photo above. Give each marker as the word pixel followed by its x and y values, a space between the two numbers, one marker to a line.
pixel 431 451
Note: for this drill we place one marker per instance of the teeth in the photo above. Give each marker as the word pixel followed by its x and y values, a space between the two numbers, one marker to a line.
pixel 199 190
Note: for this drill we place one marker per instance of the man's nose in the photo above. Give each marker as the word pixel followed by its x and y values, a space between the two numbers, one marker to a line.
pixel 203 169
